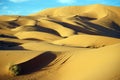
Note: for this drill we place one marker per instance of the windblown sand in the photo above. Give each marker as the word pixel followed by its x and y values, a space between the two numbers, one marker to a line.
pixel 64 43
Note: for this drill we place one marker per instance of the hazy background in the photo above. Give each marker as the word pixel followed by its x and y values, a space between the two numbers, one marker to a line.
pixel 25 7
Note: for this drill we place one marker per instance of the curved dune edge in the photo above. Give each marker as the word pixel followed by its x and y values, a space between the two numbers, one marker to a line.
pixel 64 43
pixel 37 35
pixel 87 41
pixel 90 10
pixel 103 64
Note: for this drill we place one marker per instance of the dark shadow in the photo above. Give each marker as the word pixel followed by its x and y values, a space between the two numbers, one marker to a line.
pixel 84 18
pixel 4 45
pixel 7 36
pixel 13 24
pixel 87 18
pixel 115 26
pixel 89 26
pixel 74 27
pixel 16 48
pixel 12 48
pixel 46 30
pixel 104 31
pixel 36 63
pixel 8 44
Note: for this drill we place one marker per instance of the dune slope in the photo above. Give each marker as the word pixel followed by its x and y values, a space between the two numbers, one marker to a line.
pixel 64 43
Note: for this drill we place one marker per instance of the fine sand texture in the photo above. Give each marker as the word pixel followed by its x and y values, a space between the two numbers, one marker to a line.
pixel 63 43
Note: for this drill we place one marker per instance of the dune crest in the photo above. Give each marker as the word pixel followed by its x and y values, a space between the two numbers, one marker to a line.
pixel 64 43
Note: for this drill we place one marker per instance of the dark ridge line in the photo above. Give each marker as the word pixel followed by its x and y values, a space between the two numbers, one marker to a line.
pixel 65 60
pixel 33 39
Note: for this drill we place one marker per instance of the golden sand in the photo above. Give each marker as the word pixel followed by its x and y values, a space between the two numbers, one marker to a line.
pixel 64 43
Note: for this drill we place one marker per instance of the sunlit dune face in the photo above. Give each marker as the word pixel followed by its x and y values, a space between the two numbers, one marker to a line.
pixel 64 43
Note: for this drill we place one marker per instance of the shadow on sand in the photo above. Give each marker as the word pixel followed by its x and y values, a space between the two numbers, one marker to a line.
pixel 89 27
pixel 34 64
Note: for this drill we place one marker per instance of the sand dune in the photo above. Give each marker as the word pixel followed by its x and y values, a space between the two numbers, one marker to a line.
pixel 8 18
pixel 37 35
pixel 103 64
pixel 87 41
pixel 63 31
pixel 64 43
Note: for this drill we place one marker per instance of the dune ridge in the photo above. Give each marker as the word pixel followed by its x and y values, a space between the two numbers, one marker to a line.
pixel 64 43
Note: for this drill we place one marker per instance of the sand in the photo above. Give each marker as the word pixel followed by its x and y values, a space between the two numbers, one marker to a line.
pixel 63 43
